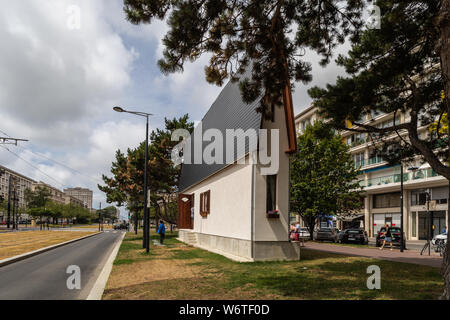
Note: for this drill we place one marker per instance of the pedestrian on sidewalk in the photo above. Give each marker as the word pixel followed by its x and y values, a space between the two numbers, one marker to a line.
pixel 161 231
pixel 387 236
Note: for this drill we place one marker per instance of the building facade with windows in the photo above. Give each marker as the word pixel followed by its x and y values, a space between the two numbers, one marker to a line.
pixel 18 182
pixel 381 182
pixel 82 194
pixel 56 195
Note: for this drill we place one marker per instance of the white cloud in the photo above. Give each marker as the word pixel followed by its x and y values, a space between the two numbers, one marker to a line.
pixel 57 87
pixel 51 73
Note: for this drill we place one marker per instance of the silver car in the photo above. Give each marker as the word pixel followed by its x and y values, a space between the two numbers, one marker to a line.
pixel 326 234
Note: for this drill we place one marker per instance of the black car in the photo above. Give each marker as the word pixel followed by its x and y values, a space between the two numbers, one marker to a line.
pixel 121 226
pixel 354 236
pixel 395 235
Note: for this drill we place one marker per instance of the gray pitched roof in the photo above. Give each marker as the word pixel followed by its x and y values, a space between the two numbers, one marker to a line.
pixel 227 112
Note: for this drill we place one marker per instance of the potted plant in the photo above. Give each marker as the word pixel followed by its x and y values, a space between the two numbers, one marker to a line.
pixel 275 214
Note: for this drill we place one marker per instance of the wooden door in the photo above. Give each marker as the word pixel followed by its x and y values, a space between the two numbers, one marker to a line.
pixel 185 203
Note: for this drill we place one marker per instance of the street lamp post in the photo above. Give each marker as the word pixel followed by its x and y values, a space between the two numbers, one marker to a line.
pixel 146 237
pixel 10 185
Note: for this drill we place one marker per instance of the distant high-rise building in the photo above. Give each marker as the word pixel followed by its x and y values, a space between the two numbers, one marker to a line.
pixel 82 194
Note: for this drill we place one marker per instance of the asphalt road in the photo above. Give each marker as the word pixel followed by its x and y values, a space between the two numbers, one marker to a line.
pixel 44 277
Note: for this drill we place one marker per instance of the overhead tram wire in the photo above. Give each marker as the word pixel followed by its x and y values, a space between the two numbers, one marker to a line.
pixel 96 180
pixel 62 165
pixel 33 166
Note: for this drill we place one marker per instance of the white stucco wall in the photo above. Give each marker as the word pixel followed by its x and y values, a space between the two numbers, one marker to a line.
pixel 231 197
pixel 274 229
pixel 230 203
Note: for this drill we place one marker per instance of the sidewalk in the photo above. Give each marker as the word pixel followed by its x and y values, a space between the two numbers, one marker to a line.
pixel 408 256
pixel 416 245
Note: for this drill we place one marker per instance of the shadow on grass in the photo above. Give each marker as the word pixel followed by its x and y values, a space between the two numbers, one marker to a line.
pixel 319 275
pixel 328 276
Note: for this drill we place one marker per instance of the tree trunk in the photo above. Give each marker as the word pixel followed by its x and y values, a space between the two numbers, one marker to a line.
pixel 445 268
pixel 311 225
pixel 444 49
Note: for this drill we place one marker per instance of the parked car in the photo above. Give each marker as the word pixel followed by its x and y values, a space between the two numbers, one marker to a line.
pixel 121 226
pixel 353 236
pixel 304 233
pixel 395 232
pixel 326 234
pixel 439 238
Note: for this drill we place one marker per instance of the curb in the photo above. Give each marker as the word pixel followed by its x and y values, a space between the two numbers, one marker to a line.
pixel 27 255
pixel 100 284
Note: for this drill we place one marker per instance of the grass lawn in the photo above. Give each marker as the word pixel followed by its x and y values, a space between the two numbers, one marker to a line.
pixel 182 272
pixel 16 243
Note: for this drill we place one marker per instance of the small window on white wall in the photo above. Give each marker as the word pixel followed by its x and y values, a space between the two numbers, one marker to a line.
pixel 205 203
pixel 271 198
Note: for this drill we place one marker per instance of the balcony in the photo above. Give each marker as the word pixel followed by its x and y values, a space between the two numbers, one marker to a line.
pixel 396 178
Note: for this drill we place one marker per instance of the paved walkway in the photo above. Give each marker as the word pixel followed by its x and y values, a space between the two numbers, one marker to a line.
pixel 407 256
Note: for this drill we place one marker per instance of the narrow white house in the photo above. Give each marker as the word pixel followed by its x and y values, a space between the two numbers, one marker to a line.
pixel 238 208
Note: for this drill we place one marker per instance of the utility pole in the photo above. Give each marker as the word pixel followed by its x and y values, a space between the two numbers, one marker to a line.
pixel 11 141
pixel 10 184
pixel 14 210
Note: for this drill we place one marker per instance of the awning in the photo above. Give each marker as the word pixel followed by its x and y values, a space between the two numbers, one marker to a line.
pixel 351 218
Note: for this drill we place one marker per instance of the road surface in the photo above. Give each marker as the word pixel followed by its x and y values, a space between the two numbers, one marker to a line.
pixel 44 277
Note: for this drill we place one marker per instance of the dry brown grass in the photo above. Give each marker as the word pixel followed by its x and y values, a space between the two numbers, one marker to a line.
pixel 13 244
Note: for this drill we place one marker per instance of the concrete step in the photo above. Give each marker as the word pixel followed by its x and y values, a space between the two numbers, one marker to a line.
pixel 192 238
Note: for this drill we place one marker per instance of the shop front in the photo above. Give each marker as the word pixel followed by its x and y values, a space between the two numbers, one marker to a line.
pixel 437 220
pixel 381 219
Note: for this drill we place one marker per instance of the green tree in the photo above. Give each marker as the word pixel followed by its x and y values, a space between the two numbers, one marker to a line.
pixel 399 68
pixel 37 201
pixel 251 35
pixel 404 67
pixel 323 176
pixel 126 186
pixel 108 214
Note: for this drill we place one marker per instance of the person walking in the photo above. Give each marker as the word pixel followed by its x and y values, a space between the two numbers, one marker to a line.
pixel 387 236
pixel 161 231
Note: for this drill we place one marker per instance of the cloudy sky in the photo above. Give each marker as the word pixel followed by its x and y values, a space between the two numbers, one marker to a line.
pixel 58 84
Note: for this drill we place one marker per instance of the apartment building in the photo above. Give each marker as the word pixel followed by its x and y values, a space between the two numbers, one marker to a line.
pixel 74 201
pixel 19 183
pixel 82 194
pixel 56 195
pixel 381 182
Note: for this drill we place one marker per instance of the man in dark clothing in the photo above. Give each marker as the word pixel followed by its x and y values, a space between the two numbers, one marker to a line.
pixel 161 231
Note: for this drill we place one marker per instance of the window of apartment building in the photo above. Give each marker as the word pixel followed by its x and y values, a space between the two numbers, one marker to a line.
pixel 375 157
pixel 359 159
pixel 418 198
pixel 389 123
pixel 356 139
pixel 387 200
pixel 271 185
pixel 205 203
pixel 375 113
pixel 439 195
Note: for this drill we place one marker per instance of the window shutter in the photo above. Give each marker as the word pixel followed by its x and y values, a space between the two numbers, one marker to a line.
pixel 208 203
pixel 201 205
